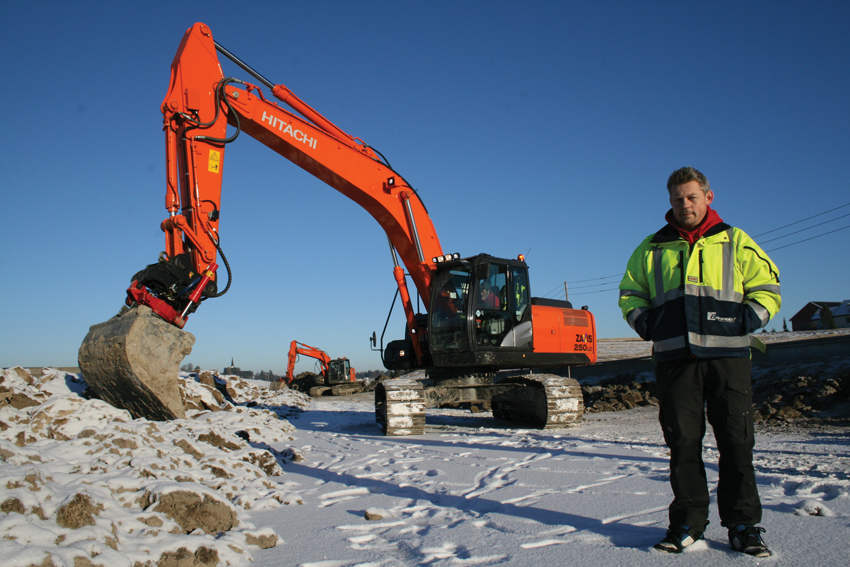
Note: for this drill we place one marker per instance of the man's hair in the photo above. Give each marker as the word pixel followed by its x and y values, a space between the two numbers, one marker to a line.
pixel 686 175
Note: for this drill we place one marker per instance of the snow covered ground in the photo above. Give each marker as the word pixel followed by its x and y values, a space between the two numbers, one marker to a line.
pixel 471 491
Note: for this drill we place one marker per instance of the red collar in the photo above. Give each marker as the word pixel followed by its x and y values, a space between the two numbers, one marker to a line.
pixel 711 219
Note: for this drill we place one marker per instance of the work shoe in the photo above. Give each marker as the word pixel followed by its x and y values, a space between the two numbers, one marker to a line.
pixel 747 539
pixel 678 538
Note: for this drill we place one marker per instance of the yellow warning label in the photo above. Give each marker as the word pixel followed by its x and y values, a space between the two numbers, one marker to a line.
pixel 215 161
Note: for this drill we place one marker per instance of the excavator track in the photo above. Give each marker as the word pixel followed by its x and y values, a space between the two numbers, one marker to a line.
pixel 347 389
pixel 337 390
pixel 543 401
pixel 400 407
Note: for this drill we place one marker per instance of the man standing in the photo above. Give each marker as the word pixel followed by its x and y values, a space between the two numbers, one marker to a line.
pixel 697 288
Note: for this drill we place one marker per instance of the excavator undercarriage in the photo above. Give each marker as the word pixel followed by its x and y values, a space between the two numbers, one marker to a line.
pixel 541 401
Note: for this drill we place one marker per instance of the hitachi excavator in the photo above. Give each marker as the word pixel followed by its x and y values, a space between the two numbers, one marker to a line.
pixel 338 378
pixel 484 337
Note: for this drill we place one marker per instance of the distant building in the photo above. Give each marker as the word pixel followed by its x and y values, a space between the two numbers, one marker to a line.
pixel 808 318
pixel 268 376
pixel 236 371
pixel 840 315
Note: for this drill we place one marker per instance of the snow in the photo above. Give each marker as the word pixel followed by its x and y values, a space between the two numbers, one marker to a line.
pixel 470 491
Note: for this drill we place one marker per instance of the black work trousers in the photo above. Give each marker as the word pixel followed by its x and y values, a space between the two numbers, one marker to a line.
pixel 689 389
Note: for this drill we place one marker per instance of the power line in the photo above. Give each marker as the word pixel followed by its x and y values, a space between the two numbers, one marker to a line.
pixel 602 278
pixel 804 220
pixel 556 289
pixel 811 238
pixel 591 285
pixel 807 228
pixel 598 291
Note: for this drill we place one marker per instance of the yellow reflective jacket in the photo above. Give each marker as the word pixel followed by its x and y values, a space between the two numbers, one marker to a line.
pixel 702 299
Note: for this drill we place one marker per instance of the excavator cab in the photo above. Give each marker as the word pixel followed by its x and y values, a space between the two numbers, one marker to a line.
pixel 480 320
pixel 480 309
pixel 339 371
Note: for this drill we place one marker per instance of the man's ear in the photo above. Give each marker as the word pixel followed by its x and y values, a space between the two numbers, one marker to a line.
pixel 709 197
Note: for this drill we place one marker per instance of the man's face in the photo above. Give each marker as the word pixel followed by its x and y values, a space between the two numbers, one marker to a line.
pixel 689 203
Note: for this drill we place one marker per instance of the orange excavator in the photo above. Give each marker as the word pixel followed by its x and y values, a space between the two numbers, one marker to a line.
pixel 483 337
pixel 337 376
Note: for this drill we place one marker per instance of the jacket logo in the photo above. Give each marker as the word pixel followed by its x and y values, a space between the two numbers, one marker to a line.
pixel 712 316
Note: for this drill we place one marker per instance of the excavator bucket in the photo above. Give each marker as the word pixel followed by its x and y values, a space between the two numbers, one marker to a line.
pixel 132 360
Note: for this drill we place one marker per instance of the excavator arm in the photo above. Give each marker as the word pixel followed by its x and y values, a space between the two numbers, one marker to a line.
pixel 197 109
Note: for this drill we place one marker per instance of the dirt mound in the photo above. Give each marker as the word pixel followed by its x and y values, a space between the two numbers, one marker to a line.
pixel 194 511
pixel 806 391
pixel 147 483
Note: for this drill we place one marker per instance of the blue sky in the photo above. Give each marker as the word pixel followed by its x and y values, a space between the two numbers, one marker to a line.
pixel 539 128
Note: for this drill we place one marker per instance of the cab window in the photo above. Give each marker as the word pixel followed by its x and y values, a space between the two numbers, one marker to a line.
pixel 519 297
pixel 492 311
pixel 448 312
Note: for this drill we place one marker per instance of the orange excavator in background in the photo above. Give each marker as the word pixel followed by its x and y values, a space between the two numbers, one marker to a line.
pixel 338 378
pixel 509 349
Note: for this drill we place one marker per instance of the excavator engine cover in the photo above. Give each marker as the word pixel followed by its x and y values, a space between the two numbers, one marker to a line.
pixel 132 361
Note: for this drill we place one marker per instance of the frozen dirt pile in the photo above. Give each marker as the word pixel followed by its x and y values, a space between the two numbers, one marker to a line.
pixel 813 392
pixel 85 484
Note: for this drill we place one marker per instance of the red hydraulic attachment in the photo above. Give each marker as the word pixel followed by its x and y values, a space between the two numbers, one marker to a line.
pixel 138 294
pixel 195 296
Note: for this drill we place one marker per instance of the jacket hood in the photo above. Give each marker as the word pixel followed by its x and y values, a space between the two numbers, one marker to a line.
pixel 711 220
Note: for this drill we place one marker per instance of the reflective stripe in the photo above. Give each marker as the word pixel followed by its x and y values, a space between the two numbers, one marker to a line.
pixel 762 313
pixel 728 248
pixel 663 298
pixel 718 294
pixel 633 292
pixel 669 344
pixel 769 288
pixel 634 314
pixel 657 255
pixel 713 341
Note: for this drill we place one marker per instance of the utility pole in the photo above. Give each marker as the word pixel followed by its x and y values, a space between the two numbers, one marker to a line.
pixel 566 292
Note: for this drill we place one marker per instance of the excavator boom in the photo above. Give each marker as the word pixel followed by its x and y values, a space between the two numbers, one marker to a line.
pixel 295 349
pixel 199 104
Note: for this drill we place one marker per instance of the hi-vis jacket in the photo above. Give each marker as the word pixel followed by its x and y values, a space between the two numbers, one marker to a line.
pixel 702 299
